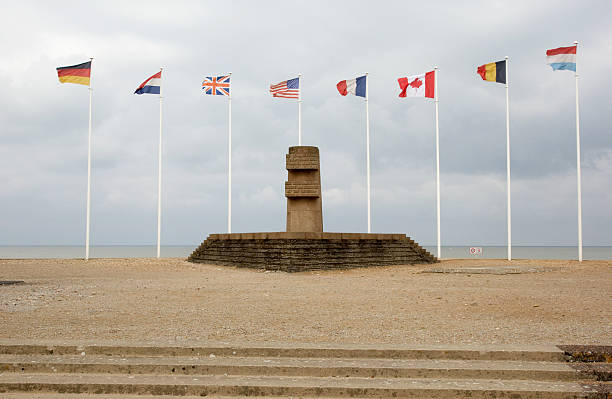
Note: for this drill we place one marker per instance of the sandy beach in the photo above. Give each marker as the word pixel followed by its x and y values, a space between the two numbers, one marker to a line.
pixel 171 301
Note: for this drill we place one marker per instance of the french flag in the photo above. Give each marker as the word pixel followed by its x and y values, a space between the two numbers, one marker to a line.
pixel 562 58
pixel 151 85
pixel 355 86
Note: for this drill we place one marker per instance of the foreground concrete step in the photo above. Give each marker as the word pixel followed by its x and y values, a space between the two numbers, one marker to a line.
pixel 30 395
pixel 535 353
pixel 47 395
pixel 315 367
pixel 293 386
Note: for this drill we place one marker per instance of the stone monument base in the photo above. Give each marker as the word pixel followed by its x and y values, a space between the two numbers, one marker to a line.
pixel 297 252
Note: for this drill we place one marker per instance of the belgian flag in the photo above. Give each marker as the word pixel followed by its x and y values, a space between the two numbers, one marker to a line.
pixel 493 71
pixel 79 74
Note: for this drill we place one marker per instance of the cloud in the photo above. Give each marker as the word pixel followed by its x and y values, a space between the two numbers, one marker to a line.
pixel 43 151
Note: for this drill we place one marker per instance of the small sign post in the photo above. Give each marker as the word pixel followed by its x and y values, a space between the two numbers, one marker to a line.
pixel 476 251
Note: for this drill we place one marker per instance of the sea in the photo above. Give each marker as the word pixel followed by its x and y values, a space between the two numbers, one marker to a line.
pixel 182 251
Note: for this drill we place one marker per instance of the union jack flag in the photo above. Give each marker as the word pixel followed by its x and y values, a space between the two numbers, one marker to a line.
pixel 287 89
pixel 216 85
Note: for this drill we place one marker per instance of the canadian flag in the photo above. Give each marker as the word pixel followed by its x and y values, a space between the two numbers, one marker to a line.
pixel 422 85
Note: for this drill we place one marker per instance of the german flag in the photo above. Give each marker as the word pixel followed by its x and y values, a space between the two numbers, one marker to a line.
pixel 78 74
pixel 493 71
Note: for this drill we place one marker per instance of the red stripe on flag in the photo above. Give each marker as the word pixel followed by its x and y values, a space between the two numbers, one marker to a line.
pixel 74 72
pixel 403 82
pixel 342 87
pixel 562 50
pixel 482 71
pixel 430 84
pixel 278 86
pixel 286 94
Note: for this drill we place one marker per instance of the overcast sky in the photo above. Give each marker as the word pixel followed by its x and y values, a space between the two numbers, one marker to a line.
pixel 43 124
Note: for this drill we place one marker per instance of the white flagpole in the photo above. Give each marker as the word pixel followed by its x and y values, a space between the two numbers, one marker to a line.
pixel 159 170
pixel 368 152
pixel 300 109
pixel 508 166
pixel 88 170
pixel 229 163
pixel 437 165
pixel 578 171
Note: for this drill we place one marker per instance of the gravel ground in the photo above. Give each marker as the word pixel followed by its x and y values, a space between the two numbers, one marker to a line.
pixel 170 301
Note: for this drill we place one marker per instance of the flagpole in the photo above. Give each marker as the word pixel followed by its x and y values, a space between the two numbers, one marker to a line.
pixel 229 164
pixel 578 170
pixel 159 171
pixel 368 152
pixel 88 170
pixel 437 165
pixel 300 109
pixel 508 166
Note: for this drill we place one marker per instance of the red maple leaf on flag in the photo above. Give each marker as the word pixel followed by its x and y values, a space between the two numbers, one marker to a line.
pixel 416 83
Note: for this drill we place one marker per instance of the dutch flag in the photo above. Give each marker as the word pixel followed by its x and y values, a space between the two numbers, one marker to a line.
pixel 151 85
pixel 562 58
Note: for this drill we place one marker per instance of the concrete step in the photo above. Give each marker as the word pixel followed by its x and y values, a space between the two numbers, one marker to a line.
pixel 548 353
pixel 240 386
pixel 282 366
pixel 47 395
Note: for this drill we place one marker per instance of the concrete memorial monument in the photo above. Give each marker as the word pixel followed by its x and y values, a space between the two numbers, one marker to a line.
pixel 304 246
pixel 303 190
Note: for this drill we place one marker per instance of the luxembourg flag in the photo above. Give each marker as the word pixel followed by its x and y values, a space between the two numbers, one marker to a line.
pixel 562 58
pixel 422 85
pixel 151 85
pixel 355 86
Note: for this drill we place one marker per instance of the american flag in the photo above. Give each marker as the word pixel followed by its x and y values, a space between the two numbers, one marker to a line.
pixel 216 85
pixel 287 89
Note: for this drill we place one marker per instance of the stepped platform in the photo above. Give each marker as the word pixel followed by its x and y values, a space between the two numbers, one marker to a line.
pixel 298 252
pixel 306 371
